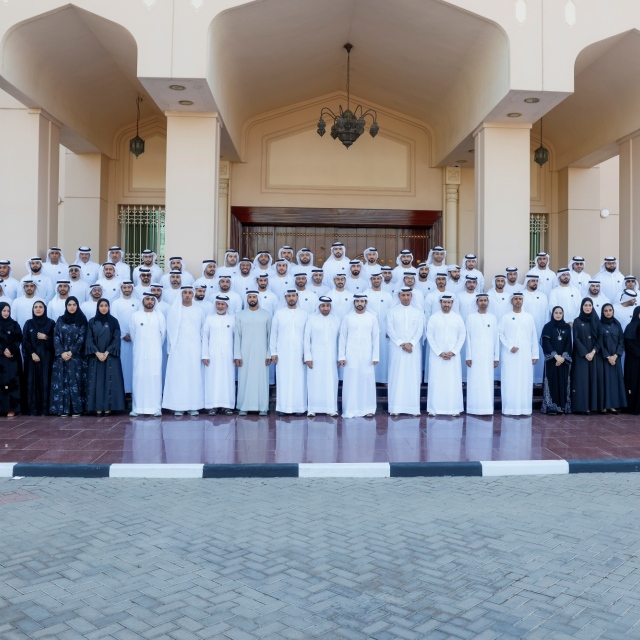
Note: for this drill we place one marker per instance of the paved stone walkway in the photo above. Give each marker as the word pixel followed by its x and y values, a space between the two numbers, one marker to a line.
pixel 519 557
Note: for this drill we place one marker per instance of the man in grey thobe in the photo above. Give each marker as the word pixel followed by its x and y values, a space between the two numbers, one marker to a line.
pixel 252 356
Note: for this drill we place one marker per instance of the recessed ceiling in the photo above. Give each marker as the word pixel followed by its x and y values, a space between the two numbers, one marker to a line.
pixel 411 56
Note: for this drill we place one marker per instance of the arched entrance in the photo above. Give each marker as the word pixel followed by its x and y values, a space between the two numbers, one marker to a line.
pixel 256 229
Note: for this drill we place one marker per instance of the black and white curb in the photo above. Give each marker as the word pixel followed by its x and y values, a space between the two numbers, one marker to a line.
pixel 319 470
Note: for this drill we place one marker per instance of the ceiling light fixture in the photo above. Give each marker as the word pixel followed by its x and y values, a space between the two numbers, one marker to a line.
pixel 176 87
pixel 348 125
pixel 136 145
pixel 541 154
pixel 186 103
pixel 532 100
pixel 515 114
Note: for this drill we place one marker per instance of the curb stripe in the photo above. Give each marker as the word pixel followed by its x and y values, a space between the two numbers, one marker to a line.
pixel 54 470
pixel 435 469
pixel 278 470
pixel 524 467
pixel 487 468
pixel 344 470
pixel 600 466
pixel 156 471
pixel 6 469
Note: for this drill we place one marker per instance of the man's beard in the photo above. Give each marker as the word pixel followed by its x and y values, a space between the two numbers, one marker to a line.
pixel 610 269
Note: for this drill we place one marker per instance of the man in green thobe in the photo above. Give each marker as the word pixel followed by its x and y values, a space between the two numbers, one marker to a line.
pixel 252 356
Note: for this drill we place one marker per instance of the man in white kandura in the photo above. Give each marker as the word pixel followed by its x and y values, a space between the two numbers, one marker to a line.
pixel 183 390
pixel 122 309
pixel 321 357
pixel 336 263
pixel 358 353
pixel 147 261
pixel 90 270
pixel 147 330
pixel 379 302
pixel 565 295
pixel 519 353
pixel 537 304
pixel 482 354
pixel 546 277
pixel 610 278
pixel 597 297
pixel 287 351
pixel 446 334
pixel 404 328
pixel 252 357
pixel 217 356
pixel 579 277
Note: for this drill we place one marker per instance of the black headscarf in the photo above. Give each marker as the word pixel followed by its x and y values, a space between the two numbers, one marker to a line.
pixel 78 318
pixel 106 318
pixel 41 322
pixel 612 319
pixel 590 318
pixel 5 323
pixel 560 325
pixel 632 332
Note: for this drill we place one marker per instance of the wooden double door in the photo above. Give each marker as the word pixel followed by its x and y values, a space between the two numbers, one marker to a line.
pixel 251 234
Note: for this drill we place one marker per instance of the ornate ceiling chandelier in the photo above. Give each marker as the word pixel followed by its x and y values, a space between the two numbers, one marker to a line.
pixel 348 125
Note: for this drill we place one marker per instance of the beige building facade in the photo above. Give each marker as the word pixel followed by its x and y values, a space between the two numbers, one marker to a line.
pixel 231 94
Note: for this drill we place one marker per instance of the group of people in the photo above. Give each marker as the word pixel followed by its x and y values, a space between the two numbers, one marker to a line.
pixel 76 338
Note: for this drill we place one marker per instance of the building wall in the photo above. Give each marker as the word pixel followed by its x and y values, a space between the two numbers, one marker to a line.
pixel 288 165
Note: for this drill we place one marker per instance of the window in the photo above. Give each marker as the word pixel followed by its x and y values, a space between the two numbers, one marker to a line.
pixel 538 226
pixel 142 227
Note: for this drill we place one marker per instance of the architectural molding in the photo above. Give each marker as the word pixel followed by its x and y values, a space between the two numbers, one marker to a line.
pixel 321 101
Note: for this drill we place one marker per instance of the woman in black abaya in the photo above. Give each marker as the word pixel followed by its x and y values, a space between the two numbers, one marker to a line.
pixel 557 348
pixel 105 388
pixel 37 347
pixel 632 363
pixel 612 340
pixel 69 365
pixel 10 362
pixel 587 388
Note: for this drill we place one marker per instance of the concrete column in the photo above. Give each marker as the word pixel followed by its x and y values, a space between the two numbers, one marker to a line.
pixel 29 169
pixel 224 209
pixel 502 174
pixel 579 216
pixel 86 184
pixel 192 198
pixel 630 206
pixel 451 198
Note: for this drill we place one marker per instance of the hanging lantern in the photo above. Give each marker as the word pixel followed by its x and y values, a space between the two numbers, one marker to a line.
pixel 541 154
pixel 136 145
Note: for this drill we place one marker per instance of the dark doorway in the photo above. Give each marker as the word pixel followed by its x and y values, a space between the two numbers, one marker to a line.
pixel 256 229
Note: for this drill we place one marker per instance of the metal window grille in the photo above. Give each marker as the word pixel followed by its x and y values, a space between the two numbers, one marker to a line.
pixel 538 227
pixel 142 227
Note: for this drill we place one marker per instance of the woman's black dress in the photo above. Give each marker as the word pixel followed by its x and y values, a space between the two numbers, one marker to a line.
pixel 556 391
pixel 10 368
pixel 38 374
pixel 587 387
pixel 68 378
pixel 632 363
pixel 105 382
pixel 612 339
